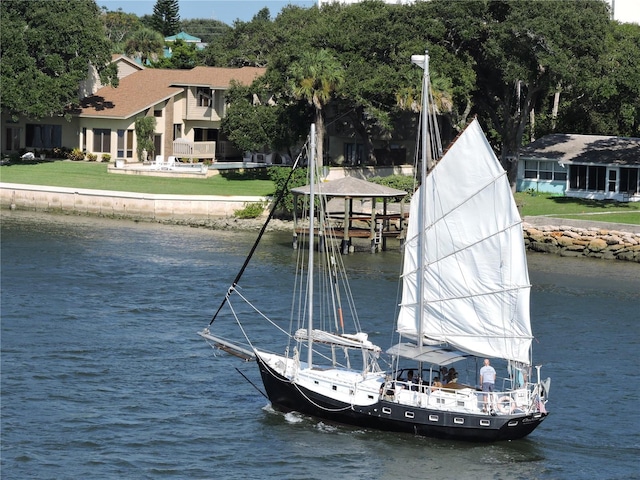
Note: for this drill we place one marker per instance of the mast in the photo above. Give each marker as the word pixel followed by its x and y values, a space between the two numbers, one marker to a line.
pixel 312 178
pixel 423 61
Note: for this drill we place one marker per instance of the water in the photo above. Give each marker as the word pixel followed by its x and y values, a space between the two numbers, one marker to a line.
pixel 103 375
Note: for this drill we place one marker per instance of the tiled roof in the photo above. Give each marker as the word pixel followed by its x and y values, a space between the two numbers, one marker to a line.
pixel 143 89
pixel 596 149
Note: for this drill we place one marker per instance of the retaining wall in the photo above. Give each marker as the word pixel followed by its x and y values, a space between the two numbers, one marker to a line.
pixel 121 204
pixel 571 241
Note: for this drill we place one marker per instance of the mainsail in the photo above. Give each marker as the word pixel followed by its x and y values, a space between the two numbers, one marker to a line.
pixel 475 279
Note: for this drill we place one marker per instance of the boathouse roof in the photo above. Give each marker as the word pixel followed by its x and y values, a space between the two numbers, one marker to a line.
pixel 351 187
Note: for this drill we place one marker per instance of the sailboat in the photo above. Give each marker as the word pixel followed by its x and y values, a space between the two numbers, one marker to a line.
pixel 465 302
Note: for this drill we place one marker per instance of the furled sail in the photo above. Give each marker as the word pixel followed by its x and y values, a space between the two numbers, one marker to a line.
pixel 476 283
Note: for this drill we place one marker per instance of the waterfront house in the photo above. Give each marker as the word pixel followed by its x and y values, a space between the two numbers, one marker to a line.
pixel 188 106
pixel 583 166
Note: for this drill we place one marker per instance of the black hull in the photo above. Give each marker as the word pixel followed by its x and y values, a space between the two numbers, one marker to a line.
pixel 393 417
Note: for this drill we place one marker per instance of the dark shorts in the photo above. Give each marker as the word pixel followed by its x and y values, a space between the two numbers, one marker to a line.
pixel 487 387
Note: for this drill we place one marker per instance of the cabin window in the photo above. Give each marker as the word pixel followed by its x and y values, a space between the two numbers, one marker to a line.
pixel 485 423
pixel 458 420
pixel 629 180
pixel 586 177
pixel 433 418
pixel 544 170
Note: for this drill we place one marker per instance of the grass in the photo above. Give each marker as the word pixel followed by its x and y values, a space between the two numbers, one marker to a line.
pixel 94 176
pixel 577 208
pixel 256 183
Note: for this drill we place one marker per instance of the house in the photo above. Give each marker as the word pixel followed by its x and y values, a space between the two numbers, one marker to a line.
pixel 188 106
pixel 583 166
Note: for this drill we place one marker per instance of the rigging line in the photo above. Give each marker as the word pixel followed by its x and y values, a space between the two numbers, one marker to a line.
pixel 297 387
pixel 255 309
pixel 252 384
pixel 255 244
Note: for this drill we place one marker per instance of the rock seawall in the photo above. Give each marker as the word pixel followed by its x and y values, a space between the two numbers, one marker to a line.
pixel 595 242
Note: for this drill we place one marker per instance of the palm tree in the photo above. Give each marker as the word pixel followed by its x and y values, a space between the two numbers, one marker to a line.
pixel 145 44
pixel 316 77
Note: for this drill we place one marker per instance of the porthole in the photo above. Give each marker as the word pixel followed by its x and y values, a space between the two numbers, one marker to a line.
pixel 409 414
pixel 485 423
pixel 433 418
pixel 458 420
pixel 386 410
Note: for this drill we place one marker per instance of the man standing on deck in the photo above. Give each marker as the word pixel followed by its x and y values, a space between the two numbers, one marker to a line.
pixel 487 380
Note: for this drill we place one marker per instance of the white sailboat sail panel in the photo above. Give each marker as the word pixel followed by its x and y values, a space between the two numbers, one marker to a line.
pixel 476 285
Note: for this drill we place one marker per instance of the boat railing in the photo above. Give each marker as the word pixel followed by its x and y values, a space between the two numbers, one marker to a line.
pixel 461 397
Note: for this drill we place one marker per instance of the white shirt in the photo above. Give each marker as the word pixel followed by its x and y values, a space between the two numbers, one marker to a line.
pixel 488 374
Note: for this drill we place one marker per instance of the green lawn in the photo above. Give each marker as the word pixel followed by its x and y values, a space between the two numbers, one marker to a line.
pixel 255 182
pixel 94 176
pixel 576 208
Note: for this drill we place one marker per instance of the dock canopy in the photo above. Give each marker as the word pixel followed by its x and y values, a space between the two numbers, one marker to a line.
pixel 351 187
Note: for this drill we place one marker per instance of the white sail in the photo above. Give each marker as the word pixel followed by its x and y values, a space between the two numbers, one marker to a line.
pixel 476 283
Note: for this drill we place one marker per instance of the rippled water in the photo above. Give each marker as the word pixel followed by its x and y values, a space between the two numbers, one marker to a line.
pixel 103 375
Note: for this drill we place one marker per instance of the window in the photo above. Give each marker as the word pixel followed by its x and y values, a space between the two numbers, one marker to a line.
pixel 12 138
pixel 43 136
pixel 203 96
pixel 596 178
pixel 544 170
pixel 177 130
pixel 353 153
pixel 125 144
pixel 583 177
pixel 102 140
pixel 629 180
pixel 157 113
pixel 205 135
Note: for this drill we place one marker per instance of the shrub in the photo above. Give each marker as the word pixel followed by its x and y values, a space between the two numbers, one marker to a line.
pixel 76 155
pixel 250 210
pixel 106 157
pixel 279 177
pixel 399 182
pixel 92 157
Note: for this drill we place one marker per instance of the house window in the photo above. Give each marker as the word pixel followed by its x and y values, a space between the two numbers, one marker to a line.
pixel 177 130
pixel 43 136
pixel 629 180
pixel 101 140
pixel 205 135
pixel 125 144
pixel 12 139
pixel 157 113
pixel 353 153
pixel 84 139
pixel 544 170
pixel 596 177
pixel 203 96
pixel 583 177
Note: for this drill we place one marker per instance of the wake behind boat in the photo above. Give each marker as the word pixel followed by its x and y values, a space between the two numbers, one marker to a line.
pixel 465 302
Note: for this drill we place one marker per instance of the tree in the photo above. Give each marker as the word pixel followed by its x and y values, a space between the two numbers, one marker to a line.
pixel 524 51
pixel 183 56
pixel 145 129
pixel 118 25
pixel 166 18
pixel 47 48
pixel 145 44
pixel 315 77
pixel 205 29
